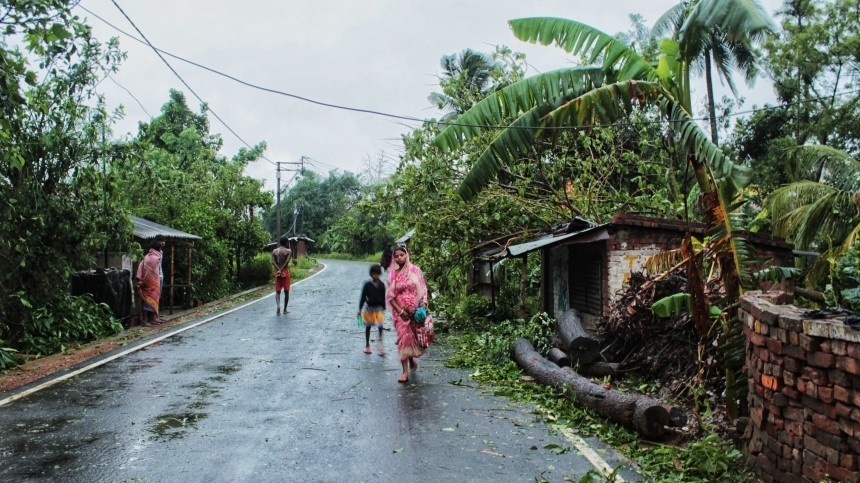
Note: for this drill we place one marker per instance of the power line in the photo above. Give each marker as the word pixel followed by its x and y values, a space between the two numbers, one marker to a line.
pixel 132 95
pixel 437 122
pixel 158 53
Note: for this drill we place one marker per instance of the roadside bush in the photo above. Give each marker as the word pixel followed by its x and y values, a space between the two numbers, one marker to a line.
pixel 492 346
pixel 82 320
pixel 257 271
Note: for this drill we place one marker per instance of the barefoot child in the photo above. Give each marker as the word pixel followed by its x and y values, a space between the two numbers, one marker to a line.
pixel 373 295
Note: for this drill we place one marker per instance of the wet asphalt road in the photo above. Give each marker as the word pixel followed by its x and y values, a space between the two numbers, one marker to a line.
pixel 252 396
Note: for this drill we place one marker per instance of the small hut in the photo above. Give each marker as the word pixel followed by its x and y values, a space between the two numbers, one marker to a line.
pixel 175 241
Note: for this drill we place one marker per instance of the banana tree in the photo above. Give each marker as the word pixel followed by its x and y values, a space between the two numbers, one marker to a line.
pixel 588 98
pixel 619 80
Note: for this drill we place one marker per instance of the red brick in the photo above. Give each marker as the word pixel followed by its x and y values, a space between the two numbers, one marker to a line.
pixel 788 378
pixel 848 427
pixel 841 394
pixel 821 359
pixel 794 338
pixel 780 334
pixel 794 351
pixel 825 424
pixel 791 364
pixel 838 347
pixel 779 400
pixel 817 376
pixel 755 339
pixel 848 461
pixel 770 382
pixel 852 349
pixel 811 474
pixel 855 415
pixel 838 473
pixel 773 345
pixel 825 394
pixel 831 441
pixel 842 410
pixel 795 428
pixel 838 377
pixel 791 392
pixel 819 407
pixel 848 364
pixel 825 346
pixel 794 414
pixel 808 343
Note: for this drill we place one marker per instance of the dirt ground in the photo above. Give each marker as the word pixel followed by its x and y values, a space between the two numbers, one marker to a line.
pixel 47 365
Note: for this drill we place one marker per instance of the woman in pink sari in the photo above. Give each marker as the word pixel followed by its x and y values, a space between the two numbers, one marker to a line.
pixel 149 283
pixel 406 292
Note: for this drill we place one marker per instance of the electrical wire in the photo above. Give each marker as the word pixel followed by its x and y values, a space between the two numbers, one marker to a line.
pixel 158 53
pixel 438 122
pixel 132 95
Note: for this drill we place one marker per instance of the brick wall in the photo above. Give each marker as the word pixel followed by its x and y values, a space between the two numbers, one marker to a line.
pixel 804 379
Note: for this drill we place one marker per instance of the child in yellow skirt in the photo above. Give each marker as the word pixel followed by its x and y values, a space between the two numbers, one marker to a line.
pixel 373 301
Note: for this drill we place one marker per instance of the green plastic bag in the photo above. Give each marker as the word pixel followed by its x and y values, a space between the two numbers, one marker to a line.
pixel 359 321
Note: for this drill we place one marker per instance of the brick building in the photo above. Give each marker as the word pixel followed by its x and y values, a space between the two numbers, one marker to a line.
pixel 583 265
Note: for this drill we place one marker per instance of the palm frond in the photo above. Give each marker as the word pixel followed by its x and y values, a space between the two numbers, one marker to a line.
pixel 580 39
pixel 739 20
pixel 694 140
pixel 826 164
pixel 777 274
pixel 509 145
pixel 513 100
pixel 670 22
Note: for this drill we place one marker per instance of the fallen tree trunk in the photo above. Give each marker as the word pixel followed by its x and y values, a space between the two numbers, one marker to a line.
pixel 599 369
pixel 579 344
pixel 558 356
pixel 640 413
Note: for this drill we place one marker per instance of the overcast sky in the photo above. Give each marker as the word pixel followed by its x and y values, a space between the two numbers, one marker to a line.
pixel 380 55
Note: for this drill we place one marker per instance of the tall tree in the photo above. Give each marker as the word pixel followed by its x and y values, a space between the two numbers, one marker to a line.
pixel 56 210
pixel 712 34
pixel 815 66
pixel 466 78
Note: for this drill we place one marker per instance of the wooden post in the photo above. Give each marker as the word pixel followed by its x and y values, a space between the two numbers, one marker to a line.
pixel 190 301
pixel 172 278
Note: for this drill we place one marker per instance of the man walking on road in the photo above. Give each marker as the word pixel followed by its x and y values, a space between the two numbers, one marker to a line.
pixel 281 259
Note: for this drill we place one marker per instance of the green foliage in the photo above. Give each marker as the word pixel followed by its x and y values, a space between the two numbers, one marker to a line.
pixel 71 320
pixel 844 288
pixel 257 271
pixel 57 209
pixel 675 304
pixel 485 351
pixel 172 174
pixel 493 345
pixel 314 204
pixel 814 68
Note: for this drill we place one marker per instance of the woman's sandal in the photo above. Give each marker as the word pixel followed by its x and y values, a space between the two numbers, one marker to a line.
pixel 403 379
pixel 367 350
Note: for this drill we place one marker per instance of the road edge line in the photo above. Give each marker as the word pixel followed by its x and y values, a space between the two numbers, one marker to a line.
pixel 588 452
pixel 142 345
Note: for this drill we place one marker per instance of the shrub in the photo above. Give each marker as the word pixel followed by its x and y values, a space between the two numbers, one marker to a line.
pixel 82 320
pixel 257 271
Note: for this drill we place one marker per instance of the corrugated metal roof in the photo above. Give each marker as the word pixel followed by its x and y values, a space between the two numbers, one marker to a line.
pixel 148 230
pixel 405 238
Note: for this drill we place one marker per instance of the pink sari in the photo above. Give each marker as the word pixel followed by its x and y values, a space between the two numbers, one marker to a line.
pixel 149 280
pixel 406 285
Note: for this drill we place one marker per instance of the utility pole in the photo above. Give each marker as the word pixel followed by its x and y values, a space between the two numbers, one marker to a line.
pixel 286 166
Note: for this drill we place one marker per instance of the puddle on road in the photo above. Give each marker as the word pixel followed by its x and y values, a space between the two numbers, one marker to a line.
pixel 172 426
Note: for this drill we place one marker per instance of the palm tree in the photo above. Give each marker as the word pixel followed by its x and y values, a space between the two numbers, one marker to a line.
pixel 820 209
pixel 711 36
pixel 466 78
